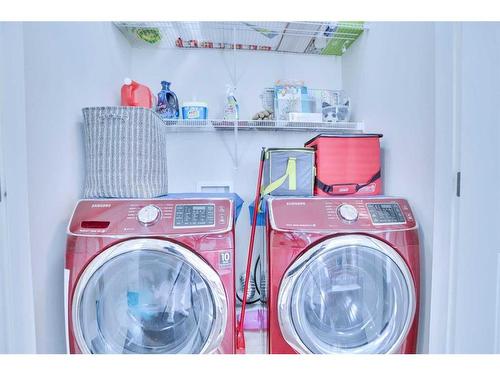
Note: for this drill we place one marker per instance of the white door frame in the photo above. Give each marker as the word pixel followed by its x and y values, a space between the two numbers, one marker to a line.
pixel 455 205
pixel 3 249
pixel 16 307
pixel 448 122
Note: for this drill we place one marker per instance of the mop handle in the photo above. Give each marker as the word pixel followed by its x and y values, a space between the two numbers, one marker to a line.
pixel 240 341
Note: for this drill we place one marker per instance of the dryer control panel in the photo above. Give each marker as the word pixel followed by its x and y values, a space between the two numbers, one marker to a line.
pixel 115 217
pixel 386 213
pixel 346 214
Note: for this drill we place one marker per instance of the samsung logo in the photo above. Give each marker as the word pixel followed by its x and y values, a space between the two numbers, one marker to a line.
pixel 295 203
pixel 101 205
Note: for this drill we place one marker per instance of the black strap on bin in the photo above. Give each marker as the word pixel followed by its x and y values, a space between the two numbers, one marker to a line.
pixel 329 188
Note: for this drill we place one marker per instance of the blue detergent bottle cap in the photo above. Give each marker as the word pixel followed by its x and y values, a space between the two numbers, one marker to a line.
pixel 165 85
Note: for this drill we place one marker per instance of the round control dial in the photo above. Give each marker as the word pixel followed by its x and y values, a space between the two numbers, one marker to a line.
pixel 148 215
pixel 348 213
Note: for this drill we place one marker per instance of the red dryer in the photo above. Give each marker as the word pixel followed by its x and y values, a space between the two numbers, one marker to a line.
pixel 343 275
pixel 151 276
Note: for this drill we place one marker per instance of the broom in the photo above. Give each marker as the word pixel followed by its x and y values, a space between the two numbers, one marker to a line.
pixel 240 334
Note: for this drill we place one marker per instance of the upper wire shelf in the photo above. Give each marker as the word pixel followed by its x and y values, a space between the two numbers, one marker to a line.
pixel 315 38
pixel 210 125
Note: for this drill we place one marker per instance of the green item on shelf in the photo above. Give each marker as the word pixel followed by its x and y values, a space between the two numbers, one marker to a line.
pixel 149 35
pixel 339 44
pixel 266 32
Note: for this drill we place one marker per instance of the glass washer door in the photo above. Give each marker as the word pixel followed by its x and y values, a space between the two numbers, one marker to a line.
pixel 149 296
pixel 348 294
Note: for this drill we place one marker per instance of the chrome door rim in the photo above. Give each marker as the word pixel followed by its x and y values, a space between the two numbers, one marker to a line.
pixel 297 267
pixel 205 271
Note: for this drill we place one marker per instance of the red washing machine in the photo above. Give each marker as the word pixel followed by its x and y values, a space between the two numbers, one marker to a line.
pixel 151 276
pixel 343 275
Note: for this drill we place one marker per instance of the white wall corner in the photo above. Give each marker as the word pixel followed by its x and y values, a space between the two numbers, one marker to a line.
pixel 19 321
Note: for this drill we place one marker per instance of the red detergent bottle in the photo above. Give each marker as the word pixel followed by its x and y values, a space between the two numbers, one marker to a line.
pixel 134 94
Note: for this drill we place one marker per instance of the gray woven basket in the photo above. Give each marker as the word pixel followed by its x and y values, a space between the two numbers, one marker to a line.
pixel 125 153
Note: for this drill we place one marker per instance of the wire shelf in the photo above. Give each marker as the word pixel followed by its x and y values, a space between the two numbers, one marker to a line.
pixel 317 38
pixel 214 125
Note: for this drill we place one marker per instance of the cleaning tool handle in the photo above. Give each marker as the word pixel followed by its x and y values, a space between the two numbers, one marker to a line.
pixel 240 334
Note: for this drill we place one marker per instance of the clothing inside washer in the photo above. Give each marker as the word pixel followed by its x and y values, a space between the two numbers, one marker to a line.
pixel 146 302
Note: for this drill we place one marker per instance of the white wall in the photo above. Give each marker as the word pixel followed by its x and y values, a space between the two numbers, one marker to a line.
pixel 204 157
pixel 203 74
pixel 390 77
pixel 67 66
pixel 17 325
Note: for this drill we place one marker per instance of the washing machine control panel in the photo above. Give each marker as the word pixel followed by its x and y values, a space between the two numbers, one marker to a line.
pixel 158 217
pixel 194 215
pixel 343 213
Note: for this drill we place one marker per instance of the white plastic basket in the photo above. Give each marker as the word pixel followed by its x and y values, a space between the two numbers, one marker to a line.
pixel 125 153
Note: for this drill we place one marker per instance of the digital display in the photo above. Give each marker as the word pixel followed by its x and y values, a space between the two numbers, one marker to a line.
pixel 386 213
pixel 194 215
